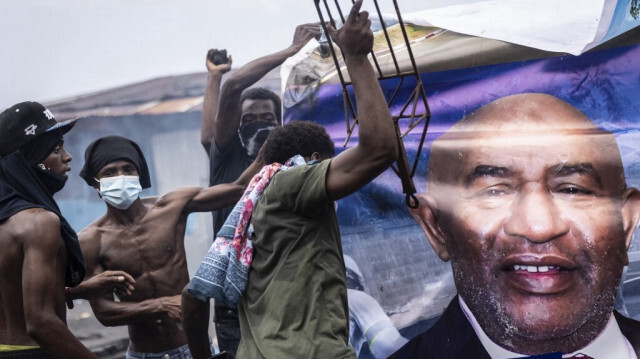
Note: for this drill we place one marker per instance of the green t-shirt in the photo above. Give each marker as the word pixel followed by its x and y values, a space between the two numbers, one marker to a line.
pixel 295 304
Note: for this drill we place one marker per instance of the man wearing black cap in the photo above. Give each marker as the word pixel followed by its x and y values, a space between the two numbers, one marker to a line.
pixel 40 260
pixel 144 237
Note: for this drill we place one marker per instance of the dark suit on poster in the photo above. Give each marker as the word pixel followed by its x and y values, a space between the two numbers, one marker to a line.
pixel 453 337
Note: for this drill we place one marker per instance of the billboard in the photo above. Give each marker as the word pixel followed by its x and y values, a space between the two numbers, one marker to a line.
pixel 397 285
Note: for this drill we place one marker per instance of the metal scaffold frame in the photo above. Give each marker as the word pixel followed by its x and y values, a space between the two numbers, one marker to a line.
pixel 409 108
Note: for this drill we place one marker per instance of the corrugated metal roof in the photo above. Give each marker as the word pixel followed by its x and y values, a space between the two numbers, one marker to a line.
pixel 172 106
pixel 170 94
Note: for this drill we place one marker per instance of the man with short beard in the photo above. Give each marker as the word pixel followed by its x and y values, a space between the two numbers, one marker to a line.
pixel 527 199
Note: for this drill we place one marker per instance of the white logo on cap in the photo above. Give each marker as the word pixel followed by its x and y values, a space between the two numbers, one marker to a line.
pixel 48 114
pixel 31 130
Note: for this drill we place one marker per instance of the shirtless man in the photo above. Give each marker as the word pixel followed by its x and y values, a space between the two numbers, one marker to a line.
pixel 40 258
pixel 144 237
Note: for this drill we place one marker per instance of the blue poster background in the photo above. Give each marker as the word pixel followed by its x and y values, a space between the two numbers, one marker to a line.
pixel 397 265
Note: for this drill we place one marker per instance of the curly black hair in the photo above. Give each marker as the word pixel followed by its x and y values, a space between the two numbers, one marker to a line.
pixel 297 138
pixel 261 93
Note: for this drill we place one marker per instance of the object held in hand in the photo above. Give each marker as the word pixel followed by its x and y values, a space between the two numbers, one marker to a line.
pixel 218 56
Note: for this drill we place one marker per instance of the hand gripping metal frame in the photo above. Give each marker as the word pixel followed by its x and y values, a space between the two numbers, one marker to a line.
pixel 408 117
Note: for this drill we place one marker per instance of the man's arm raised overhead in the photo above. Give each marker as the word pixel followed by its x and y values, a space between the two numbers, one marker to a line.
pixel 224 194
pixel 227 120
pixel 211 95
pixel 377 146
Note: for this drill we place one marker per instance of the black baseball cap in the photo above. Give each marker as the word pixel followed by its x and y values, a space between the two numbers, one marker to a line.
pixel 24 122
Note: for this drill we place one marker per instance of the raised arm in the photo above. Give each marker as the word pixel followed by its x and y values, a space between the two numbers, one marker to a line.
pixel 211 95
pixel 41 245
pixel 377 146
pixel 227 120
pixel 224 194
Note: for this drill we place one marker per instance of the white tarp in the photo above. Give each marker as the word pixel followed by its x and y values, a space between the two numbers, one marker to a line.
pixel 569 26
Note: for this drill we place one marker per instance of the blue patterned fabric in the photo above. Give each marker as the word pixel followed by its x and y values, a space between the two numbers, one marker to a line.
pixel 224 270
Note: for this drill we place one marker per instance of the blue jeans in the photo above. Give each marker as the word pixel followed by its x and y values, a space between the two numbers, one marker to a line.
pixel 227 328
pixel 178 353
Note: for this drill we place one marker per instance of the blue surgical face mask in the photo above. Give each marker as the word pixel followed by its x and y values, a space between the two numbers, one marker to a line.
pixel 120 191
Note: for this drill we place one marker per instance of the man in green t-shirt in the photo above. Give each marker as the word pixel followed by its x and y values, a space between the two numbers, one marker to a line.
pixel 295 302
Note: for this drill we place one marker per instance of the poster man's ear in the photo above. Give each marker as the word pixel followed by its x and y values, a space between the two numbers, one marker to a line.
pixel 424 214
pixel 630 213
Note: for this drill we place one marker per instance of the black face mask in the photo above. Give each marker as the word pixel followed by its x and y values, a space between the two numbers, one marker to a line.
pixel 25 185
pixel 253 135
pixel 53 182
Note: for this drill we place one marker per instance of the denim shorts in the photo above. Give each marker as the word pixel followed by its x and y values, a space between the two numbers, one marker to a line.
pixel 178 353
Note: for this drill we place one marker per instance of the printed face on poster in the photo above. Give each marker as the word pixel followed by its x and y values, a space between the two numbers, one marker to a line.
pixel 527 189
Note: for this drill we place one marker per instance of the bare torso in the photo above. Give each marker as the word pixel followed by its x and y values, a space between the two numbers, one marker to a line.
pixel 14 233
pixel 151 249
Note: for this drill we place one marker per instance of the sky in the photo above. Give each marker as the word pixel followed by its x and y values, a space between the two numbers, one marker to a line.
pixel 56 49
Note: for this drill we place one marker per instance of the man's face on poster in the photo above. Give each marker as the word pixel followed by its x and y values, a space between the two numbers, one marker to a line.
pixel 527 199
